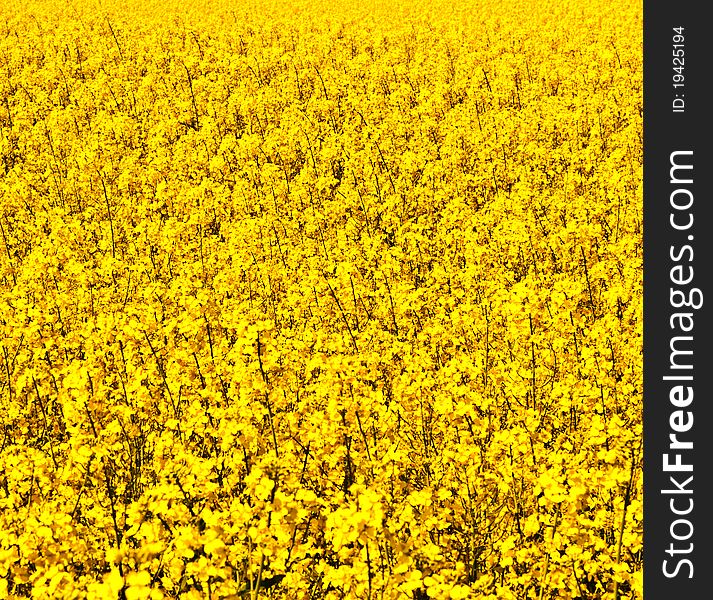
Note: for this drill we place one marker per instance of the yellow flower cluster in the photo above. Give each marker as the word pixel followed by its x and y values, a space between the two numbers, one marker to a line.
pixel 320 300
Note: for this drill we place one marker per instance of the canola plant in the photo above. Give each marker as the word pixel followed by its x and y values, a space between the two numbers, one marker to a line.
pixel 320 300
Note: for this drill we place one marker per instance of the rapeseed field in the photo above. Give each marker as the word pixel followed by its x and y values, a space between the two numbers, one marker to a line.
pixel 320 300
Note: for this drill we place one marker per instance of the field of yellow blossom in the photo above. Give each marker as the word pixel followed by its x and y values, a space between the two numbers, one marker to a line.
pixel 320 300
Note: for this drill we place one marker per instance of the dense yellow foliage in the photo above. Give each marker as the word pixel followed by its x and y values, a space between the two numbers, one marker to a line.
pixel 320 301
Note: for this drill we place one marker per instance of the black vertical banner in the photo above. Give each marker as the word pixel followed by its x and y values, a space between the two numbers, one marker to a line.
pixel 677 302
